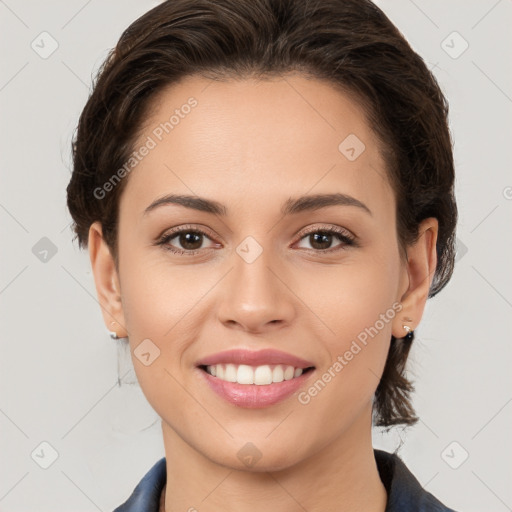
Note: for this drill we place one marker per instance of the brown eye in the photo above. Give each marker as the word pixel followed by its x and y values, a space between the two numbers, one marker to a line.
pixel 185 241
pixel 321 240
pixel 190 240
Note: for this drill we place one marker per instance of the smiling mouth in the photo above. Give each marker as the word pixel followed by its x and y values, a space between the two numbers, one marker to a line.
pixel 257 375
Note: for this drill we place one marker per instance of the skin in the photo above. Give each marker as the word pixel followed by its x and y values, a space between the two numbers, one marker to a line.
pixel 251 145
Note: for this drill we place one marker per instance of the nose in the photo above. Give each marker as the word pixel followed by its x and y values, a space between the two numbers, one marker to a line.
pixel 256 296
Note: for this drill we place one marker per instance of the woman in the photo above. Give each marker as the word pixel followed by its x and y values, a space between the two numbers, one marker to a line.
pixel 265 188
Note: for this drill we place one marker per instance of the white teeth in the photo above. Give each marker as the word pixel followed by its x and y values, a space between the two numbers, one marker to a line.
pixel 263 375
pixel 278 374
pixel 245 374
pixel 230 373
pixel 259 375
pixel 288 372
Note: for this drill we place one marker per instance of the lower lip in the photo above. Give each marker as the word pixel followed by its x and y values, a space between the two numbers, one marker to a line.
pixel 254 396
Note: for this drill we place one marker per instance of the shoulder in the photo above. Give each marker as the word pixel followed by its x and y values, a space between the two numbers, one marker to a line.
pixel 405 493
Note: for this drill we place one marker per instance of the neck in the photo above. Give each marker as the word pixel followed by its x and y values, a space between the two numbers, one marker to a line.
pixel 341 476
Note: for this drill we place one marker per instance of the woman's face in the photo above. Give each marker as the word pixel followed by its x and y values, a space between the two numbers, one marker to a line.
pixel 265 272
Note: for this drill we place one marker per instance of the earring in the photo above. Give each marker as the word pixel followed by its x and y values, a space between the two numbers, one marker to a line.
pixel 410 333
pixel 113 334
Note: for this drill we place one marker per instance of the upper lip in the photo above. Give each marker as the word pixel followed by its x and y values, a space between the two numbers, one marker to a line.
pixel 255 358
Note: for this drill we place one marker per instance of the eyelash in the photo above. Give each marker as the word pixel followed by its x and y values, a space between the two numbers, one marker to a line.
pixel 340 233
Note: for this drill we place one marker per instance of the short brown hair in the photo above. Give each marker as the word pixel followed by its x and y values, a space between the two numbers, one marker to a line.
pixel 349 43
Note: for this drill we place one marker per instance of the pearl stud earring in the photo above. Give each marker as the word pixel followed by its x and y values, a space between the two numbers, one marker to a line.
pixel 409 332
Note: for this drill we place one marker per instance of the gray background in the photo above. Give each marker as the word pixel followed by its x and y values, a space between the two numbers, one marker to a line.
pixel 59 368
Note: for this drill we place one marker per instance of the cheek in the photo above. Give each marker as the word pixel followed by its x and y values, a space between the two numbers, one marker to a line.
pixel 162 301
pixel 359 310
pixel 160 304
pixel 155 292
pixel 352 296
pixel 357 305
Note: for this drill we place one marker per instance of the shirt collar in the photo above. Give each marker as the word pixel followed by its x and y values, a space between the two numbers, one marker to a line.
pixel 405 493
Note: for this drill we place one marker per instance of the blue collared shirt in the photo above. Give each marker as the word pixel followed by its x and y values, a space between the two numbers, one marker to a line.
pixel 405 493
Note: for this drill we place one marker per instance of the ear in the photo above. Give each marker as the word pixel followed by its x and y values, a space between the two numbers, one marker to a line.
pixel 419 268
pixel 107 281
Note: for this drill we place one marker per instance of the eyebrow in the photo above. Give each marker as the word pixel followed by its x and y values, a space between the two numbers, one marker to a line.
pixel 291 206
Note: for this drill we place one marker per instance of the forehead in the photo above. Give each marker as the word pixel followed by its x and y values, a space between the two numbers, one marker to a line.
pixel 249 138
